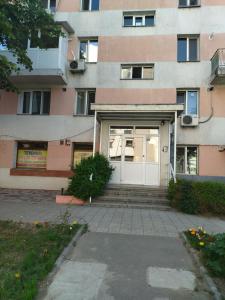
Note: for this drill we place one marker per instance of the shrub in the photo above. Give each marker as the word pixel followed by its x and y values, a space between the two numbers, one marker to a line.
pixel 80 184
pixel 197 197
pixel 214 255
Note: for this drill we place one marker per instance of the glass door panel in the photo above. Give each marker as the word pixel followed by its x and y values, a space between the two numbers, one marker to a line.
pixel 115 148
pixel 152 149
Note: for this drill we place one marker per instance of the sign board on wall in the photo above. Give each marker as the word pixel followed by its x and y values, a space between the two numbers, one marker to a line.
pixel 31 159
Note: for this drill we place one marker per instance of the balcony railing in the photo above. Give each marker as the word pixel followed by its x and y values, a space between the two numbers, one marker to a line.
pixel 49 66
pixel 218 67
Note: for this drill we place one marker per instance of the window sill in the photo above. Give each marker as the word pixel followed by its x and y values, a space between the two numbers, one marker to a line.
pixel 189 6
pixel 189 61
pixel 132 79
pixel 89 116
pixel 40 173
pixel 18 114
pixel 141 26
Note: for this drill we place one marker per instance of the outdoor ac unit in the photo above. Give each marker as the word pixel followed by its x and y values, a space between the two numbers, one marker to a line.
pixel 221 148
pixel 189 121
pixel 77 66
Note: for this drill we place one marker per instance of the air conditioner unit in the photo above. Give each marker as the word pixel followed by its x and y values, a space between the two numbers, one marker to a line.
pixel 189 121
pixel 77 66
pixel 221 148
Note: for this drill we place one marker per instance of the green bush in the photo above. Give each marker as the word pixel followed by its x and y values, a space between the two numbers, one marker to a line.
pixel 80 184
pixel 197 197
pixel 214 255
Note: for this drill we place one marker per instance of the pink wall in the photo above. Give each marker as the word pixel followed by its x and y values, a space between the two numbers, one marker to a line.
pixel 209 46
pixel 211 161
pixel 137 4
pixel 135 96
pixel 6 154
pixel 59 157
pixel 212 2
pixel 144 48
pixel 62 103
pixel 68 5
pixel 217 96
pixel 8 103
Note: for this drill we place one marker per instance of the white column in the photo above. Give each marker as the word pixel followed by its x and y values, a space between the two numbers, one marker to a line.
pixel 95 130
pixel 175 145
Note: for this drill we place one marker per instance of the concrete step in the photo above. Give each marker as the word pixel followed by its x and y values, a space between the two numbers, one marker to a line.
pixel 131 205
pixel 146 194
pixel 132 199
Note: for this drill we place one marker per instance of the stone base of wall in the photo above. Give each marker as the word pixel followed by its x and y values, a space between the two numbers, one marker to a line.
pixel 202 178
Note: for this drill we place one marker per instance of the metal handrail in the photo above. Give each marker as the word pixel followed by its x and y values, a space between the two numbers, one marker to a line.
pixel 218 60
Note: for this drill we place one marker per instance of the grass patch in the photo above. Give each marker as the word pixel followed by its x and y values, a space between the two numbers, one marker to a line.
pixel 27 254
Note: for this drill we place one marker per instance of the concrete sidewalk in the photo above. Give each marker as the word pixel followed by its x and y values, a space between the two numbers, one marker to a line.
pixel 127 267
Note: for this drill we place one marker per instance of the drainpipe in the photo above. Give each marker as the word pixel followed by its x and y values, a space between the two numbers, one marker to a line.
pixel 95 129
pixel 175 146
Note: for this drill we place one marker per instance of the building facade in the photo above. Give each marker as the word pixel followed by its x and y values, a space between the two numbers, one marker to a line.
pixel 141 81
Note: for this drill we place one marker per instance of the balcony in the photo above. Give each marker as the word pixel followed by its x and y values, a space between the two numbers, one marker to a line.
pixel 218 68
pixel 49 66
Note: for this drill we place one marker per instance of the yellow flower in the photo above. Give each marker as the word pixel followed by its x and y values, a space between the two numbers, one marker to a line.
pixel 36 222
pixel 193 232
pixel 17 275
pixel 202 244
pixel 74 223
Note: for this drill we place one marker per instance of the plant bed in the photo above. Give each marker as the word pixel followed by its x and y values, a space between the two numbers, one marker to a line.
pixel 66 199
pixel 211 252
pixel 28 253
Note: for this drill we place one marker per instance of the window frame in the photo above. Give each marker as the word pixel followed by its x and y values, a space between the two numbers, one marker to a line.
pixel 134 16
pixel 86 91
pixel 90 5
pixel 21 99
pixel 188 38
pixel 48 8
pixel 185 147
pixel 188 5
pixel 88 41
pixel 185 112
pixel 39 36
pixel 152 66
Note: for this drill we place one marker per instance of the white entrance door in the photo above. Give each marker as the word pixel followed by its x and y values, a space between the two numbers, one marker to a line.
pixel 135 158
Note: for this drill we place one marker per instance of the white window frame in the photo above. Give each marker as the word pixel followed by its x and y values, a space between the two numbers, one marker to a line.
pixel 189 4
pixel 185 159
pixel 186 100
pixel 142 71
pixel 48 8
pixel 20 103
pixel 88 41
pixel 138 16
pixel 90 5
pixel 86 91
pixel 188 38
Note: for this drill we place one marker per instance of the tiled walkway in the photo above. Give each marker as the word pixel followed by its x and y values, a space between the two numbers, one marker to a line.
pixel 40 206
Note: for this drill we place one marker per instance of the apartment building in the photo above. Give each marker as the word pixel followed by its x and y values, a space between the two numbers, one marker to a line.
pixel 141 81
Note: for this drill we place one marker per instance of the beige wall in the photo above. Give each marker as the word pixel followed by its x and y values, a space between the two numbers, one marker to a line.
pixel 8 103
pixel 7 154
pixel 211 161
pixel 59 157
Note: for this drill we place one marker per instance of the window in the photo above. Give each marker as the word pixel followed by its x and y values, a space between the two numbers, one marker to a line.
pixel 81 151
pixel 32 155
pixel 189 3
pixel 91 5
pixel 188 49
pixel 190 100
pixel 137 72
pixel 89 50
pixel 47 42
pixel 138 20
pixel 187 160
pixel 35 102
pixel 84 101
pixel 49 5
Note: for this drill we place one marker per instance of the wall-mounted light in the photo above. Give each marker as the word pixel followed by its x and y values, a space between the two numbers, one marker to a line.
pixel 162 123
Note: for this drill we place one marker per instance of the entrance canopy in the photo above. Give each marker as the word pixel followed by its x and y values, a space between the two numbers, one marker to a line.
pixel 141 112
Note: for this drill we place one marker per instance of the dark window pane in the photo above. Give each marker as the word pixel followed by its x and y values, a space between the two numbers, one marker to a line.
pixel 46 102
pixel 91 99
pixel 50 42
pixel 149 20
pixel 194 2
pixel 34 40
pixel 192 160
pixel 192 104
pixel 137 72
pixel 180 160
pixel 183 2
pixel 45 3
pixel 181 97
pixel 182 49
pixel 95 5
pixel 36 103
pixel 193 49
pixel 83 50
pixel 128 21
pixel 26 103
pixel 85 4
